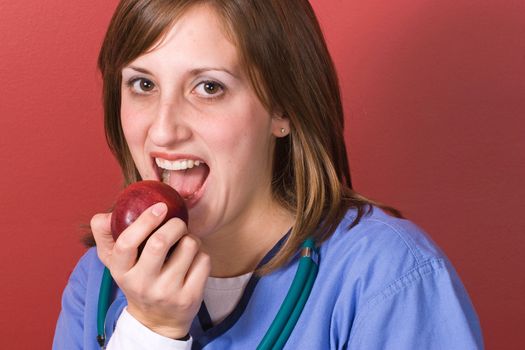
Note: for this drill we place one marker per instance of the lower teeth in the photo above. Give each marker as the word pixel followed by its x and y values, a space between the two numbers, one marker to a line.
pixel 166 176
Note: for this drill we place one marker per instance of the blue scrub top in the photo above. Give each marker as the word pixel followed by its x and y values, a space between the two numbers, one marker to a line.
pixel 381 285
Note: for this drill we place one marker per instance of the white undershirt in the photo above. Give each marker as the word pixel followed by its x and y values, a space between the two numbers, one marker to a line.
pixel 221 295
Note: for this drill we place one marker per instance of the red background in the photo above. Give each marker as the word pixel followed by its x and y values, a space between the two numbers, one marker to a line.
pixel 434 93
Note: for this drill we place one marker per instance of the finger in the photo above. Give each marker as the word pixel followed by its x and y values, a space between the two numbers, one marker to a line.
pixel 159 243
pixel 177 266
pixel 198 273
pixel 125 250
pixel 101 228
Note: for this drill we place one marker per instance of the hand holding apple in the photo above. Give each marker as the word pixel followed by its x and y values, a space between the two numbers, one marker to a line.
pixel 164 294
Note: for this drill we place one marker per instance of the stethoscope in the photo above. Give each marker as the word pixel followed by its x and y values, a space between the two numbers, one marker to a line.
pixel 284 322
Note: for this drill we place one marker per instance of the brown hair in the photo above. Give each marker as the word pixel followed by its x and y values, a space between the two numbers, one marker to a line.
pixel 284 53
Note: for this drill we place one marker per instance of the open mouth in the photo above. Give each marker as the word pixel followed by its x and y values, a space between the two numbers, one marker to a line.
pixel 186 176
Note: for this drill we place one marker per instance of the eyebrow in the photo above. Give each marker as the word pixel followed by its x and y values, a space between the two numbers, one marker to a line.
pixel 195 71
pixel 140 70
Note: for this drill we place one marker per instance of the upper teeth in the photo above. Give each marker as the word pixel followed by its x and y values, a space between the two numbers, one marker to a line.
pixel 181 164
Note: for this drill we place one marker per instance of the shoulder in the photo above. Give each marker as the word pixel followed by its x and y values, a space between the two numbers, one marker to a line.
pixel 380 255
pixel 379 236
pixel 386 272
pixel 87 262
pixel 86 272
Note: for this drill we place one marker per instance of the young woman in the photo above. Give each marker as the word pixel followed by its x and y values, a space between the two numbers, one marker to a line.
pixel 241 97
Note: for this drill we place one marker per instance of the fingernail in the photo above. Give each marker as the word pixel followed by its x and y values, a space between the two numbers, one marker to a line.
pixel 159 209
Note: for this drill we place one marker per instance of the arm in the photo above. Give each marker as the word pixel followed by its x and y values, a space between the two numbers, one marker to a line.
pixel 69 332
pixel 427 308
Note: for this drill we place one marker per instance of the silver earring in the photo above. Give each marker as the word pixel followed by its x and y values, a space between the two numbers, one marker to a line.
pixel 283 131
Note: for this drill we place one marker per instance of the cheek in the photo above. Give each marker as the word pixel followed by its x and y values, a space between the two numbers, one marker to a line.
pixel 244 145
pixel 135 128
pixel 134 124
pixel 241 133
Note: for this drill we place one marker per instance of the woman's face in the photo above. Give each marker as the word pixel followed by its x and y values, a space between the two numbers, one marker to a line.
pixel 192 119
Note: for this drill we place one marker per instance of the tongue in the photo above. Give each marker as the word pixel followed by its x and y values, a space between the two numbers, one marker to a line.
pixel 188 181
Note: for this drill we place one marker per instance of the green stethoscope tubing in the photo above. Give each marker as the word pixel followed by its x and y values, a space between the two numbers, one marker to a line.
pixel 284 322
pixel 103 305
pixel 293 304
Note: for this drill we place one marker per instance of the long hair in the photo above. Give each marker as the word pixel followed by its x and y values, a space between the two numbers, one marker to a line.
pixel 282 49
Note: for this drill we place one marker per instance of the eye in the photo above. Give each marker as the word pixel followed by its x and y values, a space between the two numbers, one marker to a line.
pixel 141 86
pixel 209 89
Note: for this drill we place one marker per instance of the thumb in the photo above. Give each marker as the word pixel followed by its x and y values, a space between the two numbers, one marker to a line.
pixel 101 228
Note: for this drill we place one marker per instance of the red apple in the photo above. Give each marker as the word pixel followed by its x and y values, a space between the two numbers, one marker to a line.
pixel 139 196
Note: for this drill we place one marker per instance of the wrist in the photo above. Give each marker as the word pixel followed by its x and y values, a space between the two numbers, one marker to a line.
pixel 185 338
pixel 160 327
pixel 168 332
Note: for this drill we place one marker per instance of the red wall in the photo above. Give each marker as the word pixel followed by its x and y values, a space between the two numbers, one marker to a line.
pixel 434 93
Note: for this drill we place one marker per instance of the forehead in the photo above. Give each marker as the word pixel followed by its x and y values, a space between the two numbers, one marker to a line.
pixel 198 37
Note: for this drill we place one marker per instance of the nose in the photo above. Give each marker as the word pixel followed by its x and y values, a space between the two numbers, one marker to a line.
pixel 169 127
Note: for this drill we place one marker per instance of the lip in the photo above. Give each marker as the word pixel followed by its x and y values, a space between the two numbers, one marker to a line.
pixel 190 202
pixel 175 156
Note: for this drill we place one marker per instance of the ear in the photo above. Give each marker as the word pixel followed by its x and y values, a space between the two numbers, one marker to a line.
pixel 280 125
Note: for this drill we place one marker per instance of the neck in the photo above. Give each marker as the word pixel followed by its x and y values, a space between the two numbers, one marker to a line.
pixel 238 250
